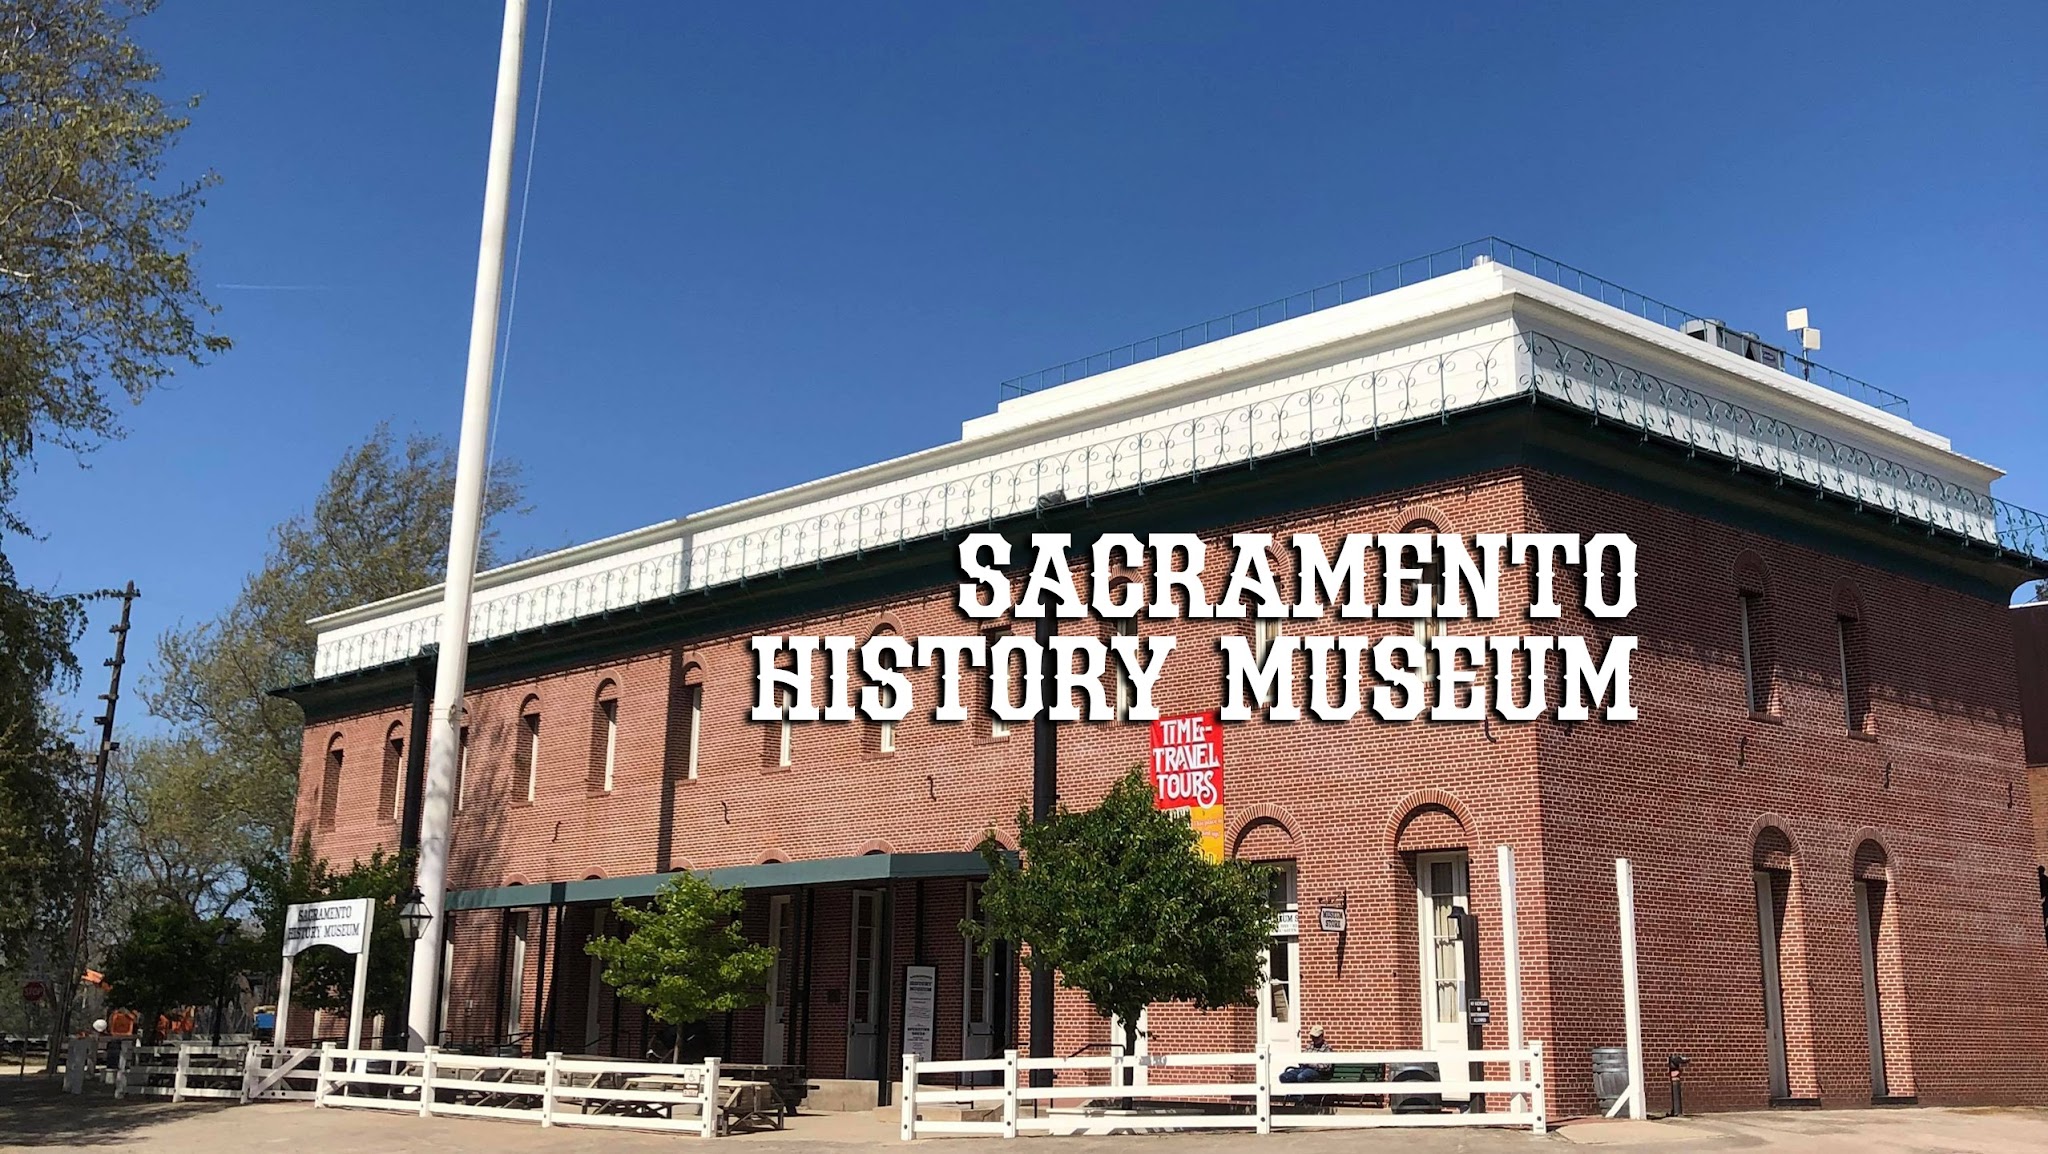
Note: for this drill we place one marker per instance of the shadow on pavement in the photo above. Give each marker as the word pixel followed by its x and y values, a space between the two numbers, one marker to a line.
pixel 35 1111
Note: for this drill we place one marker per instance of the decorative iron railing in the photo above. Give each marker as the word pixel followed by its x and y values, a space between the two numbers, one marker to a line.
pixel 1530 365
pixel 1407 272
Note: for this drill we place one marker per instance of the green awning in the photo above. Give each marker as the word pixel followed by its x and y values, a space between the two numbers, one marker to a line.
pixel 874 867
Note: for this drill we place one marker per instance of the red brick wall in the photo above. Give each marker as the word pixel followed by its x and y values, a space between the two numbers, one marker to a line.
pixel 1683 792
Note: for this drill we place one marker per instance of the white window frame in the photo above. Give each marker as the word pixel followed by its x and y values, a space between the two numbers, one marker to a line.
pixel 461 767
pixel 398 778
pixel 1750 602
pixel 1283 1033
pixel 609 710
pixel 530 733
pixel 693 696
pixel 787 697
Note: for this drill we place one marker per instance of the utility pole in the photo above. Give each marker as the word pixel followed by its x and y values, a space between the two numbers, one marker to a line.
pixel 81 910
pixel 465 526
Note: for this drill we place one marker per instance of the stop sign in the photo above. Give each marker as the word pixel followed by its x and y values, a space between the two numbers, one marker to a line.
pixel 32 991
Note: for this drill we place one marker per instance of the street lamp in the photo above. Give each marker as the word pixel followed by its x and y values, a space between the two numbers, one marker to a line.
pixel 220 962
pixel 413 916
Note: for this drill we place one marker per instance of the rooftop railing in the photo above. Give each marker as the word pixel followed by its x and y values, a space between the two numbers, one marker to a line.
pixel 1408 272
pixel 1531 367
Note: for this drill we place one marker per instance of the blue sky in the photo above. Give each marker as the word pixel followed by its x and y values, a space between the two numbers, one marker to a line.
pixel 768 242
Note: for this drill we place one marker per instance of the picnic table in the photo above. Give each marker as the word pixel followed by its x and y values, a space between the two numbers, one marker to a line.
pixel 741 1101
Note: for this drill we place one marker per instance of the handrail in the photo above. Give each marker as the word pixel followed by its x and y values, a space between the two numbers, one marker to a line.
pixel 1368 404
pixel 1413 271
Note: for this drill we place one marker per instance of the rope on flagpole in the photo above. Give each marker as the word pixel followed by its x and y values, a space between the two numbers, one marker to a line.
pixel 540 84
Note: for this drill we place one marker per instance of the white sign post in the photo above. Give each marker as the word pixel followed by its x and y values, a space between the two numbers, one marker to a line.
pixel 920 989
pixel 343 924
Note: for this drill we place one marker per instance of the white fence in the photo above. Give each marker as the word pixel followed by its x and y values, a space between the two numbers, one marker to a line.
pixel 1225 1101
pixel 553 1091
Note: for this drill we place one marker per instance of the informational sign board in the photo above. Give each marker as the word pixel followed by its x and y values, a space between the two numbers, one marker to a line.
pixel 1287 924
pixel 1332 918
pixel 920 1010
pixel 1478 1012
pixel 1187 774
pixel 344 924
pixel 33 990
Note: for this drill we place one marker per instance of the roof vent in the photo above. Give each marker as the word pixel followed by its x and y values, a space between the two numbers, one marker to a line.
pixel 1746 345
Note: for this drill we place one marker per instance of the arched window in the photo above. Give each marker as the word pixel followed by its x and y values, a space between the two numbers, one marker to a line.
pixel 1126 690
pixel 1855 659
pixel 604 736
pixel 391 787
pixel 686 723
pixel 526 757
pixel 780 750
pixel 1428 594
pixel 1758 651
pixel 880 738
pixel 330 782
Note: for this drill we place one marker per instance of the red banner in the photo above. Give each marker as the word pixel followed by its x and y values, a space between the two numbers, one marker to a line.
pixel 1187 762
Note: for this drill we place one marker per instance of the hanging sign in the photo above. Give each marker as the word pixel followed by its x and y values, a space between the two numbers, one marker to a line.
pixel 920 1003
pixel 1187 774
pixel 342 924
pixel 1332 918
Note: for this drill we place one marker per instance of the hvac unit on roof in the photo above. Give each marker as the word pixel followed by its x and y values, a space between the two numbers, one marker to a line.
pixel 1746 345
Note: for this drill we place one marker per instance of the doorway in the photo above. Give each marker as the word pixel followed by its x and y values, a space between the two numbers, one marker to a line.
pixel 864 982
pixel 515 978
pixel 1280 987
pixel 600 927
pixel 978 981
pixel 1442 890
pixel 781 980
pixel 1869 912
pixel 1769 921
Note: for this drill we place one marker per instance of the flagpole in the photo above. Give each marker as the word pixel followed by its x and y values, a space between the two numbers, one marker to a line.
pixel 465 527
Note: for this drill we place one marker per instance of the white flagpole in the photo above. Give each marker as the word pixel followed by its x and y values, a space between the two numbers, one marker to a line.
pixel 464 529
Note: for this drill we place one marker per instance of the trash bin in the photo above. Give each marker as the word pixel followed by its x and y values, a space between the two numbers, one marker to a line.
pixel 1610 1075
pixel 1411 1102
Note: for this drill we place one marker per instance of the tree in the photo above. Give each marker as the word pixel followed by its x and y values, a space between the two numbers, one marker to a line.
pixel 170 958
pixel 98 298
pixel 378 528
pixel 97 289
pixel 324 979
pixel 42 772
pixel 1120 902
pixel 686 957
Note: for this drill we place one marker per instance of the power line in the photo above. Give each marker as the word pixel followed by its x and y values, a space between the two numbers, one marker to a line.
pixel 540 85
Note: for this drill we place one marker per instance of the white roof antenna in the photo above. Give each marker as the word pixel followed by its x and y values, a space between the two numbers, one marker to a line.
pixel 1796 321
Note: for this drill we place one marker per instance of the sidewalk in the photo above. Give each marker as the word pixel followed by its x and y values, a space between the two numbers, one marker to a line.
pixel 35 1116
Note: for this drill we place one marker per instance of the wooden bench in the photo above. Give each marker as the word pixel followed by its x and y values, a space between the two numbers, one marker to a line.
pixel 1355 1072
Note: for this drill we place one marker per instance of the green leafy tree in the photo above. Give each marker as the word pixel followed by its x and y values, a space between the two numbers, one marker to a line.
pixel 99 301
pixel 98 294
pixel 1119 900
pixel 378 528
pixel 324 978
pixel 169 958
pixel 686 957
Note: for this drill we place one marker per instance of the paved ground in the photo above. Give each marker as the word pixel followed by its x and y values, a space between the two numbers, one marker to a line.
pixel 34 1118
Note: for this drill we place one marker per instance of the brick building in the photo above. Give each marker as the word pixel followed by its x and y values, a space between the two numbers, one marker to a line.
pixel 1824 796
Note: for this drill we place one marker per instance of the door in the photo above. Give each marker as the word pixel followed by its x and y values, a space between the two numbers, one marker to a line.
pixel 1280 989
pixel 1774 1000
pixel 600 926
pixel 864 986
pixel 1869 908
pixel 1441 891
pixel 781 980
pixel 515 977
pixel 978 981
